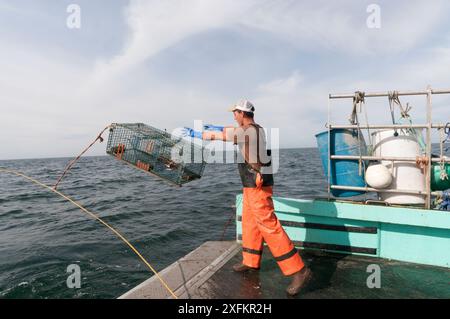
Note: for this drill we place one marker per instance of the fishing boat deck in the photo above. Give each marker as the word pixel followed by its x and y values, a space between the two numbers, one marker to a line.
pixel 206 273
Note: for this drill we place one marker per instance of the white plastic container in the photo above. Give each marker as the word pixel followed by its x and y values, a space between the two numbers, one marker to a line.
pixel 406 176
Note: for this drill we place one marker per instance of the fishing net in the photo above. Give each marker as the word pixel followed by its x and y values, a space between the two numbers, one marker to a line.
pixel 157 152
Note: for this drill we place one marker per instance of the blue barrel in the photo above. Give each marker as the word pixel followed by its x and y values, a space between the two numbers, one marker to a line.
pixel 343 172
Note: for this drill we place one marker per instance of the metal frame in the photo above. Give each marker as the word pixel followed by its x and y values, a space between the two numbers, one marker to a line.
pixel 428 126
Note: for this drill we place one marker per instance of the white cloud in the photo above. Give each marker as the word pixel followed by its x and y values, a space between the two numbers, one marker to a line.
pixel 156 25
pixel 281 86
pixel 341 25
pixel 53 103
pixel 320 25
pixel 303 103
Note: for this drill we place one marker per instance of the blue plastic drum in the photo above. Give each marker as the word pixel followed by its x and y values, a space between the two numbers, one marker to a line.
pixel 343 172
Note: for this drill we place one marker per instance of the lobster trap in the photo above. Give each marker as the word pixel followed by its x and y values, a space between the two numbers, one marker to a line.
pixel 157 152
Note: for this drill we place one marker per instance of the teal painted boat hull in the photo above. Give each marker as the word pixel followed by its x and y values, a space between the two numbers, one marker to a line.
pixel 399 233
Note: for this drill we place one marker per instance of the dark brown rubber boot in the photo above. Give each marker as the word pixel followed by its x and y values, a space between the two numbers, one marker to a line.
pixel 299 281
pixel 243 268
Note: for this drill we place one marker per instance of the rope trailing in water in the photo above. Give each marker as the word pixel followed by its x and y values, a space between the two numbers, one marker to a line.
pixel 232 215
pixel 3 170
pixel 71 163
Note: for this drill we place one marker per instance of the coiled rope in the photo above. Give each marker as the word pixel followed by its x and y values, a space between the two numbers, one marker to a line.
pixel 3 170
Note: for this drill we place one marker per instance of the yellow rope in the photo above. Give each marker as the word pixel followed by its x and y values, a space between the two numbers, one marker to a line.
pixel 97 218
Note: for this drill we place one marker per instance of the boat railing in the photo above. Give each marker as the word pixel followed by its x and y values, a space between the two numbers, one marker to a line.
pixel 429 160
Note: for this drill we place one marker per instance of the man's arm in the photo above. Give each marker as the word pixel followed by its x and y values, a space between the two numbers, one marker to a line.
pixel 226 135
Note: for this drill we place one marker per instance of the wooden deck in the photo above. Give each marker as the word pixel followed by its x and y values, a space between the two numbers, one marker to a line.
pixel 188 273
pixel 206 273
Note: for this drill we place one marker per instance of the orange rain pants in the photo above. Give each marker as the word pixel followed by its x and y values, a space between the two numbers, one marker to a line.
pixel 259 224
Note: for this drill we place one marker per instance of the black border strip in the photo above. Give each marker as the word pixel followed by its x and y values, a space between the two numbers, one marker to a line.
pixel 344 248
pixel 350 249
pixel 348 229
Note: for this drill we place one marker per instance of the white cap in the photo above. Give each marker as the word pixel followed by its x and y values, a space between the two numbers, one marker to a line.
pixel 243 105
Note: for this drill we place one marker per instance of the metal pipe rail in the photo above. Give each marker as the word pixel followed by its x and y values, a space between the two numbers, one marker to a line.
pixel 370 189
pixel 386 94
pixel 386 158
pixel 399 126
pixel 429 92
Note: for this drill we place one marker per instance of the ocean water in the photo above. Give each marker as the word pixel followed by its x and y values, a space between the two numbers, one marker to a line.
pixel 41 234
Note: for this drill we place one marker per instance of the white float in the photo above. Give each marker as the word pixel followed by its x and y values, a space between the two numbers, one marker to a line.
pixel 378 176
pixel 406 176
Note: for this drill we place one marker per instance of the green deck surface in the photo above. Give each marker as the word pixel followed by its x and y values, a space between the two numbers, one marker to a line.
pixel 335 276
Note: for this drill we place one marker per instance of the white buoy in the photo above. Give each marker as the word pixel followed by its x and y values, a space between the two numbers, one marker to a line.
pixel 378 176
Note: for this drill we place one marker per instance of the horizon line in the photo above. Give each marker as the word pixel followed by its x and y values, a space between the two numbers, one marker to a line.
pixel 61 157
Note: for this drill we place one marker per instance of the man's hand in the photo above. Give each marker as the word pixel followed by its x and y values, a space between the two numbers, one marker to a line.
pixel 190 132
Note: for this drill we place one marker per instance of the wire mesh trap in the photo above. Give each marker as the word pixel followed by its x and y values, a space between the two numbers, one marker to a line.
pixel 171 158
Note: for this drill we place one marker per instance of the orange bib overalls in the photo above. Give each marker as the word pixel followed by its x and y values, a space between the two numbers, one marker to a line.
pixel 260 224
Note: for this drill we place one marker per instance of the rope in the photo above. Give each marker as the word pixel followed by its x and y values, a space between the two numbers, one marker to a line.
pixel 358 101
pixel 393 99
pixel 72 162
pixel 360 153
pixel 368 130
pixel 443 175
pixel 446 130
pixel 442 202
pixel 98 219
pixel 405 118
pixel 226 225
pixel 230 219
pixel 422 162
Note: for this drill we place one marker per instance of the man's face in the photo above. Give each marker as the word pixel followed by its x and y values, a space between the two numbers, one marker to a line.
pixel 238 117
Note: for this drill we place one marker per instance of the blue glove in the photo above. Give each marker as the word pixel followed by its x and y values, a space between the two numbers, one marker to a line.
pixel 190 132
pixel 210 127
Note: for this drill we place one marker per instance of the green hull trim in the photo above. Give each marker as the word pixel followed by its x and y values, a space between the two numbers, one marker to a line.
pixel 398 233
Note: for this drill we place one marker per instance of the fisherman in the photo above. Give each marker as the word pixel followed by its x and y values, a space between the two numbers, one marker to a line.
pixel 259 222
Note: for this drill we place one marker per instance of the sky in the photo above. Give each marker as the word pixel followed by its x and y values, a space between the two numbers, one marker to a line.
pixel 168 63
